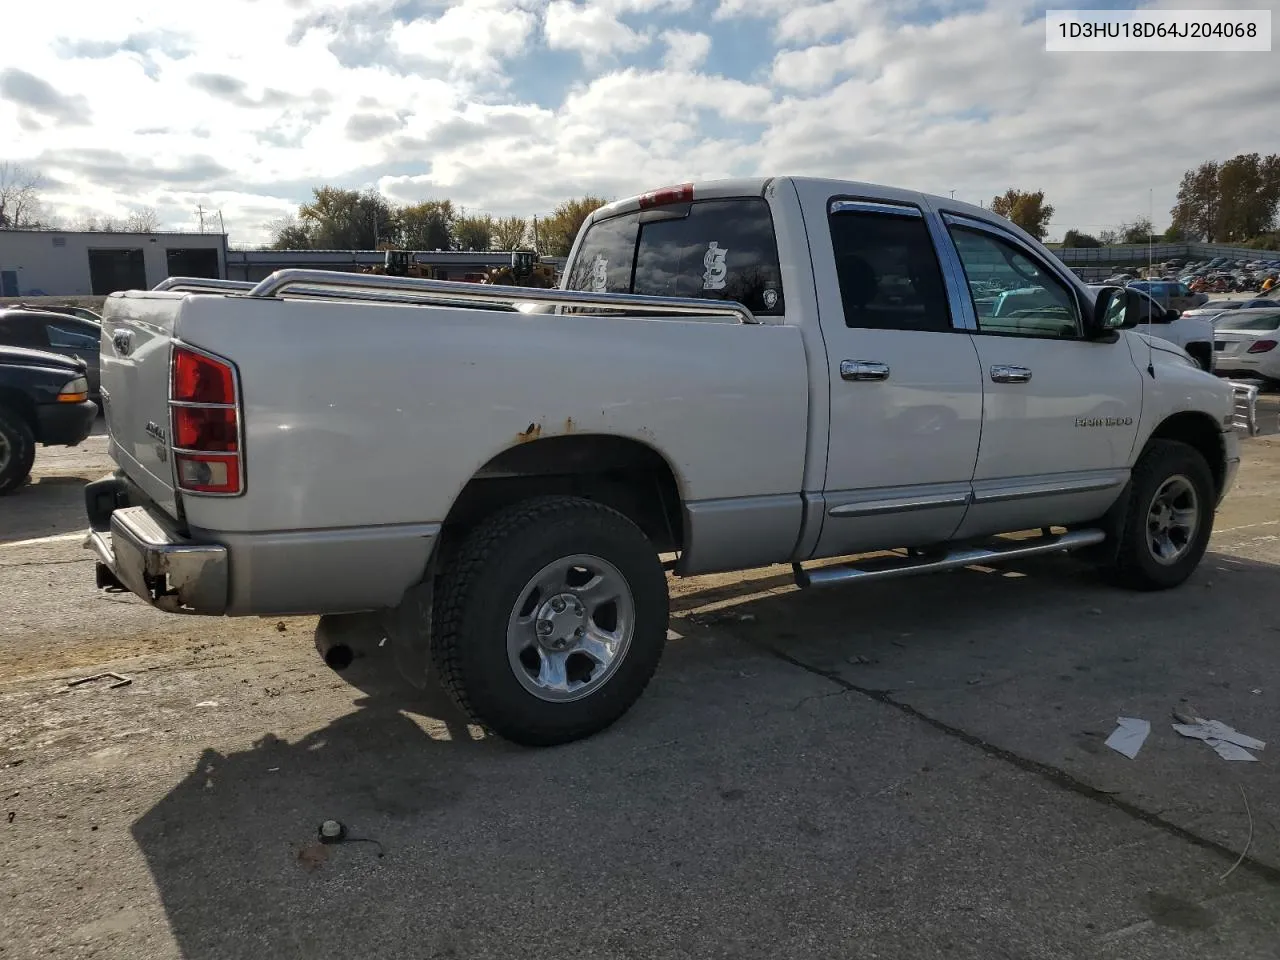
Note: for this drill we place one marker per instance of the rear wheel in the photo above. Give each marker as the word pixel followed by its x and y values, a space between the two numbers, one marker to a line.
pixel 550 620
pixel 17 449
pixel 1168 518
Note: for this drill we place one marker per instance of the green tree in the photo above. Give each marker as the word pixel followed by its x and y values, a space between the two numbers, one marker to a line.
pixel 473 232
pixel 1074 238
pixel 509 232
pixel 556 233
pixel 1140 231
pixel 427 225
pixel 1248 191
pixel 1026 209
pixel 1195 212
pixel 289 233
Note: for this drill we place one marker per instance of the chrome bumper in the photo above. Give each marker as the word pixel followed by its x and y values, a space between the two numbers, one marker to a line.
pixel 147 556
pixel 1246 408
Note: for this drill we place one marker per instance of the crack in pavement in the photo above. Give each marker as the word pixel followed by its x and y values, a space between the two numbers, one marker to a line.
pixel 46 563
pixel 1054 775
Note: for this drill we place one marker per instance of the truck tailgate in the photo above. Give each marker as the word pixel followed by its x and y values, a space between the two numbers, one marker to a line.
pixel 135 389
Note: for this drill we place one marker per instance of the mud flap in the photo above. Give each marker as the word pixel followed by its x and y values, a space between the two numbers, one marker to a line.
pixel 1112 523
pixel 408 628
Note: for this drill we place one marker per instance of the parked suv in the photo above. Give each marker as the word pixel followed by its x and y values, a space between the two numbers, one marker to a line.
pixel 44 399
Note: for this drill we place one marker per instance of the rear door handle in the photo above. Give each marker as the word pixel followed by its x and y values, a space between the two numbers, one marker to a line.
pixel 863 370
pixel 1005 373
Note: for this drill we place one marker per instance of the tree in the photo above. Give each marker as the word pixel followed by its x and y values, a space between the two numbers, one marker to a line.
pixel 1109 237
pixel 1074 238
pixel 1174 234
pixel 509 232
pixel 1248 191
pixel 555 234
pixel 142 220
pixel 19 196
pixel 1140 231
pixel 473 232
pixel 427 225
pixel 288 233
pixel 1195 212
pixel 338 219
pixel 1026 209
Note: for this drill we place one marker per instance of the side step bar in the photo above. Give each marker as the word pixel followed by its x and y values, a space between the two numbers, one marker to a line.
pixel 884 568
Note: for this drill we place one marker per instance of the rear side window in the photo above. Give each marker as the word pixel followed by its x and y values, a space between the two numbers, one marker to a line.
pixel 708 249
pixel 889 274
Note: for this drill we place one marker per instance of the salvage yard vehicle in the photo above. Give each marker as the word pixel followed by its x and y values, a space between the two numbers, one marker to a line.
pixel 739 373
pixel 44 400
pixel 1247 344
pixel 1194 334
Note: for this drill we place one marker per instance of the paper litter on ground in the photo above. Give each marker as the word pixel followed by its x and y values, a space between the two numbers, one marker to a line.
pixel 1228 743
pixel 1129 736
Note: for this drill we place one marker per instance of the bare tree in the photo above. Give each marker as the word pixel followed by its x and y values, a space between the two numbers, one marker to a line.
pixel 19 196
pixel 142 220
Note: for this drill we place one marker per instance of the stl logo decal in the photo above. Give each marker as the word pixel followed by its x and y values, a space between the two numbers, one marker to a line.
pixel 717 270
pixel 600 274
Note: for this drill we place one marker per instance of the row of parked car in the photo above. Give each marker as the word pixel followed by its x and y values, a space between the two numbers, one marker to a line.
pixel 49 383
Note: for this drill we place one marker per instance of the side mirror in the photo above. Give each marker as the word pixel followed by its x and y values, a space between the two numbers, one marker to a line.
pixel 1115 309
pixel 1170 316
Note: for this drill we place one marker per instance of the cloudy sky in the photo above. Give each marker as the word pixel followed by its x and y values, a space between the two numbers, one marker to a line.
pixel 509 106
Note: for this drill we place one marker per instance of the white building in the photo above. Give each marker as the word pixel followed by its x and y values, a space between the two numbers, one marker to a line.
pixel 36 263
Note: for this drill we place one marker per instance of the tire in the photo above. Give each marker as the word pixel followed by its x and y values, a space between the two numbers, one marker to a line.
pixel 1178 473
pixel 488 610
pixel 17 450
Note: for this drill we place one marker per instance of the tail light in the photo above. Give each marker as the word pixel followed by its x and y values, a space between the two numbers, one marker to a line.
pixel 204 409
pixel 656 198
pixel 1261 346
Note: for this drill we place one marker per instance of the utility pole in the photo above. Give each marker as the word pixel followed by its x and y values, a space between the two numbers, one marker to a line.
pixel 221 225
pixel 200 212
pixel 535 236
pixel 953 194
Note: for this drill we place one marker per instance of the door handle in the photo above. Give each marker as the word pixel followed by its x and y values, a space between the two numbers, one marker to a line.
pixel 1006 373
pixel 863 370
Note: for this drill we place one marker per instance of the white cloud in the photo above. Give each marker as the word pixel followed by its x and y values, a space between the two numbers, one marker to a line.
pixel 471 38
pixel 156 104
pixel 591 30
pixel 685 51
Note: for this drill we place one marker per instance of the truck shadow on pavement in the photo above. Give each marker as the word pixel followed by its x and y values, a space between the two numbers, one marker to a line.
pixel 45 507
pixel 775 781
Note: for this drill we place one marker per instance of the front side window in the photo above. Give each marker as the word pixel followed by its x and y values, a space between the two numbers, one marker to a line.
pixel 1012 294
pixel 707 249
pixel 889 274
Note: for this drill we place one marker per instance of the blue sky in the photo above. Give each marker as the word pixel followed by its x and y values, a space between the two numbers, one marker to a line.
pixel 508 106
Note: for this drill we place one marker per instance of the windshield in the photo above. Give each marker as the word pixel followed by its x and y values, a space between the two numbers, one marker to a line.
pixel 709 249
pixel 1269 321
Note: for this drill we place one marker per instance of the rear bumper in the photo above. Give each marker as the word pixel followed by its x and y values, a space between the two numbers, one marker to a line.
pixel 65 424
pixel 144 553
pixel 141 548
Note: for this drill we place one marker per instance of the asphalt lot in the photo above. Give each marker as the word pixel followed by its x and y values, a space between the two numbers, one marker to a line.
pixel 911 770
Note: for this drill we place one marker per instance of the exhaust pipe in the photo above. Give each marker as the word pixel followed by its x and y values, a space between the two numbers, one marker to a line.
pixel 336 654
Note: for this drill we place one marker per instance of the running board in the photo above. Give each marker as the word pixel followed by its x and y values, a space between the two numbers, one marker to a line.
pixel 883 568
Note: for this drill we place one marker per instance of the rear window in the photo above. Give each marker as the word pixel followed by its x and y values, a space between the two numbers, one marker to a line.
pixel 1270 321
pixel 709 249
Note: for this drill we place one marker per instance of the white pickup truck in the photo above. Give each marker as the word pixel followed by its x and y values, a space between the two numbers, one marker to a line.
pixel 735 373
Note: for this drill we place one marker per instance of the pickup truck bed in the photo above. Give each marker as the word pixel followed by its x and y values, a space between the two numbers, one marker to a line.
pixel 740 373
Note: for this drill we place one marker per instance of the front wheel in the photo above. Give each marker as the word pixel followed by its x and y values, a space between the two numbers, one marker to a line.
pixel 1168 518
pixel 17 450
pixel 550 620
